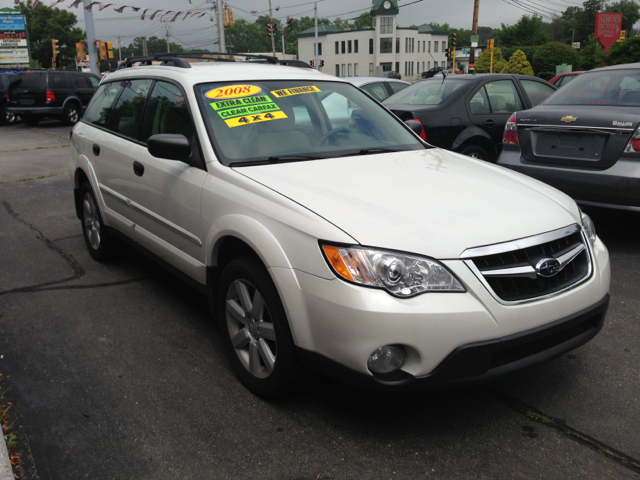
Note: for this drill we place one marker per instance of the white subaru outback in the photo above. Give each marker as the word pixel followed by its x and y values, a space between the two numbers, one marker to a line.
pixel 326 233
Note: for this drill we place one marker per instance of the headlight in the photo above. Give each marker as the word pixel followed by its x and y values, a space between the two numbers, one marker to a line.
pixel 399 274
pixel 589 227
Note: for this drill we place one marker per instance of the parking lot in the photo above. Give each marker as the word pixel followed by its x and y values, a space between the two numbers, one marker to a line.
pixel 118 371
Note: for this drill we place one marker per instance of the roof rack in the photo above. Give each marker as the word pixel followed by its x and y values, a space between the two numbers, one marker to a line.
pixel 179 59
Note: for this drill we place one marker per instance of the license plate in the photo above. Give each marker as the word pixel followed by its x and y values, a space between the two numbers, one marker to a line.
pixel 27 101
pixel 575 146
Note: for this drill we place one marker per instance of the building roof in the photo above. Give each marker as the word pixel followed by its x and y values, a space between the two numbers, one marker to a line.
pixel 426 28
pixel 322 30
pixel 377 7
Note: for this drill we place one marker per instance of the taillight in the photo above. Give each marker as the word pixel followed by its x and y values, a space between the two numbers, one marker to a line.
pixel 50 96
pixel 634 144
pixel 423 134
pixel 510 136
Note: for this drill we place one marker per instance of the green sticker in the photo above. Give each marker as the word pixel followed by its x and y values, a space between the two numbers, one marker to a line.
pixel 240 102
pixel 251 109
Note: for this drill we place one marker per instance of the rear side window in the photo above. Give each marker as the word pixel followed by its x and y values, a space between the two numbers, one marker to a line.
pixel 167 112
pixel 32 80
pixel 126 116
pixel 479 104
pixel 58 81
pixel 81 81
pixel 536 91
pixel 397 86
pixel 101 103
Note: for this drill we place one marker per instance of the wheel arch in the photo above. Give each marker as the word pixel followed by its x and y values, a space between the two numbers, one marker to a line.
pixel 475 136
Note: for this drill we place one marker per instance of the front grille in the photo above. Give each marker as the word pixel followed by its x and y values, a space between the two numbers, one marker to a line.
pixel 509 270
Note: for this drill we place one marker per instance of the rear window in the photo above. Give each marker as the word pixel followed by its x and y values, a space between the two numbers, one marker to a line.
pixel 429 92
pixel 605 87
pixel 30 80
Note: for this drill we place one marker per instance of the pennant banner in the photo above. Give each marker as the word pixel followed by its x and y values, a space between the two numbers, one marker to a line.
pixel 120 9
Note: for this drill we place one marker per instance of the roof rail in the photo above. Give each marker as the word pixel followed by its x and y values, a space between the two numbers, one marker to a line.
pixel 179 59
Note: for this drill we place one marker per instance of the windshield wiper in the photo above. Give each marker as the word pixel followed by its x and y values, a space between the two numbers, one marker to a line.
pixel 368 151
pixel 274 160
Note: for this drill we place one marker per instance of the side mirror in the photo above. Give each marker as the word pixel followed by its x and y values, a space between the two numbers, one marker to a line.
pixel 169 146
pixel 415 125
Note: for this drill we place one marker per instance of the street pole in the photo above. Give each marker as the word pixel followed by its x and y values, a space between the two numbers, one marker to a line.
pixel 273 40
pixel 474 30
pixel 91 36
pixel 315 7
pixel 282 35
pixel 144 46
pixel 221 41
pixel 119 48
pixel 167 28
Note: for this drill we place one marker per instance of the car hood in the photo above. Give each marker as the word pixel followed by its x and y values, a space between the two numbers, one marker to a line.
pixel 431 202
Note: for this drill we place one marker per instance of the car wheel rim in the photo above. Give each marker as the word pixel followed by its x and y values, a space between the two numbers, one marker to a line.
pixel 10 117
pixel 73 115
pixel 91 221
pixel 251 329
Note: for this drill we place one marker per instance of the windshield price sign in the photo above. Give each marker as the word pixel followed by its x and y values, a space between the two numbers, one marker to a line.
pixel 608 26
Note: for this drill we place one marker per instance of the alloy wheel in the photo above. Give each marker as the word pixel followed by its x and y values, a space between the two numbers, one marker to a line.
pixel 251 329
pixel 72 115
pixel 91 221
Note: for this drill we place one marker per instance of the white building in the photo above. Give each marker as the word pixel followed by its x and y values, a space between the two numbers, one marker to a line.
pixel 381 48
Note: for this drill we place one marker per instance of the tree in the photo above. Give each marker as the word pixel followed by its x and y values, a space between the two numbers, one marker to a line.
pixel 247 37
pixel 630 12
pixel 592 55
pixel 527 31
pixel 363 21
pixel 624 52
pixel 45 24
pixel 154 45
pixel 548 56
pixel 483 64
pixel 518 63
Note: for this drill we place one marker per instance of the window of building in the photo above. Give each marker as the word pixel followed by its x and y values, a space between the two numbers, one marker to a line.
pixel 349 46
pixel 406 45
pixel 435 47
pixel 397 44
pixel 371 46
pixel 405 69
pixel 429 65
pixel 397 67
pixel 386 25
pixel 429 45
pixel 371 69
pixel 444 46
pixel 418 64
pixel 418 47
pixel 337 70
pixel 386 45
pixel 337 48
pixel 444 64
pixel 386 67
pixel 413 45
pixel 355 69
pixel 343 71
pixel 344 47
pixel 350 67
pixel 355 46
pixel 423 66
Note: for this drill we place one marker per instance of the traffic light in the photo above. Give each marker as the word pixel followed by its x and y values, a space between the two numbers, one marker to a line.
pixel 490 44
pixel 81 51
pixel 271 29
pixel 231 20
pixel 454 39
pixel 322 63
pixel 109 50
pixel 623 36
pixel 449 52
pixel 289 26
pixel 56 52
pixel 313 63
pixel 103 50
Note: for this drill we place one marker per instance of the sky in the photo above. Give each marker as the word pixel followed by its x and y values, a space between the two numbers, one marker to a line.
pixel 201 32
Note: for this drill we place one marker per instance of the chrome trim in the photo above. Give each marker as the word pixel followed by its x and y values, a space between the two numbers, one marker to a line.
pixel 527 271
pixel 520 243
pixel 148 213
pixel 569 256
pixel 469 262
pixel 576 127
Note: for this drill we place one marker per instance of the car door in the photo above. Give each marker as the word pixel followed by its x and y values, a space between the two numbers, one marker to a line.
pixel 535 91
pixel 165 194
pixel 491 105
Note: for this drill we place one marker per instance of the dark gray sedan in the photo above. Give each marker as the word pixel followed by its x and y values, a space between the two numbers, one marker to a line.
pixel 584 139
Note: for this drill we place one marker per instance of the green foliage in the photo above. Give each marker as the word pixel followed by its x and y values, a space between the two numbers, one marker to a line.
pixel 592 55
pixel 624 52
pixel 527 31
pixel 483 64
pixel 529 51
pixel 518 64
pixel 554 53
pixel 363 21
pixel 45 24
pixel 630 12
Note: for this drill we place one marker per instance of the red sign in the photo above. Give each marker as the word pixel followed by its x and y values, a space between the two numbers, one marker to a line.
pixel 608 26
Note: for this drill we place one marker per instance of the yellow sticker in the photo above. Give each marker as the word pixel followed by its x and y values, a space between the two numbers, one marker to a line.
pixel 249 119
pixel 287 92
pixel 233 91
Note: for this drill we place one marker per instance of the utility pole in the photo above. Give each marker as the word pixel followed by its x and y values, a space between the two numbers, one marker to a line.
pixel 167 29
pixel 282 35
pixel 119 41
pixel 315 7
pixel 144 46
pixel 273 40
pixel 221 41
pixel 474 30
pixel 91 36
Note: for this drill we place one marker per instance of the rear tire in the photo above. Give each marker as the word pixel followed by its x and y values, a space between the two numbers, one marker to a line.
pixel 6 117
pixel 474 151
pixel 71 114
pixel 100 243
pixel 255 329
pixel 31 120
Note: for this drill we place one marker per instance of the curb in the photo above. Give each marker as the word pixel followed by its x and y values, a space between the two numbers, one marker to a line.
pixel 6 471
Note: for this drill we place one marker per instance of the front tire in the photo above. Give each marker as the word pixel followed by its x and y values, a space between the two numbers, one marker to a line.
pixel 255 329
pixel 101 245
pixel 474 151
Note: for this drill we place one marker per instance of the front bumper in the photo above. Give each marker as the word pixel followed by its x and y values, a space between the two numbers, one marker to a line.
pixel 615 187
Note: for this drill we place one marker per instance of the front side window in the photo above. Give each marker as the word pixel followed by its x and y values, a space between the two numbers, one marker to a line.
pixel 95 81
pixel 167 112
pixel 261 121
pixel 98 110
pixel 126 116
pixel 58 80
pixel 503 97
pixel 386 45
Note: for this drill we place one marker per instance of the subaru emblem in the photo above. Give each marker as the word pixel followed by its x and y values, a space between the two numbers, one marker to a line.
pixel 548 267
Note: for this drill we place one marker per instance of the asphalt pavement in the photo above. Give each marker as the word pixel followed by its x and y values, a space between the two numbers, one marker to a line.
pixel 117 372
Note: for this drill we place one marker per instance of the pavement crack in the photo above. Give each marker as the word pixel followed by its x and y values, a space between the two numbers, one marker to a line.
pixel 34 178
pixel 568 431
pixel 50 133
pixel 77 269
pixel 43 287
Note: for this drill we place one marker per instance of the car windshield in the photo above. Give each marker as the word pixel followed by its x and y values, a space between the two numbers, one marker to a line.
pixel 604 87
pixel 427 92
pixel 276 121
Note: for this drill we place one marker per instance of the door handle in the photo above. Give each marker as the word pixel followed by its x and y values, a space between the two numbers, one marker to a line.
pixel 490 123
pixel 96 149
pixel 138 168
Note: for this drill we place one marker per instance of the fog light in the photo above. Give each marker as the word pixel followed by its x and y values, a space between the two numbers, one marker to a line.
pixel 386 359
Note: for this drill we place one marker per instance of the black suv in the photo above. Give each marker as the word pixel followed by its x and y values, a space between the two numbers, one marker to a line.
pixel 59 94
pixel 6 118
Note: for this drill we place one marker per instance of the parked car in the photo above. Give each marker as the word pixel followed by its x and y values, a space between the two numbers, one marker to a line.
pixel 393 74
pixel 6 118
pixel 467 113
pixel 358 250
pixel 563 78
pixel 584 139
pixel 433 71
pixel 59 94
pixel 378 88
